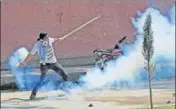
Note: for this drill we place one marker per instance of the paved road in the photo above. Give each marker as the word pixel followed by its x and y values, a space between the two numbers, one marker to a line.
pixel 81 99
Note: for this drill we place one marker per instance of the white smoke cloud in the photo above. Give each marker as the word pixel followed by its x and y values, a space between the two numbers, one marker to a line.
pixel 18 56
pixel 163 29
pixel 126 67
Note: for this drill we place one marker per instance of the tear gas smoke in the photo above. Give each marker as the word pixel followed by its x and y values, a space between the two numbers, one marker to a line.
pixel 130 67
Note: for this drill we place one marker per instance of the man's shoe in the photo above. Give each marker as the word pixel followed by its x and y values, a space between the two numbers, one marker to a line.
pixel 32 97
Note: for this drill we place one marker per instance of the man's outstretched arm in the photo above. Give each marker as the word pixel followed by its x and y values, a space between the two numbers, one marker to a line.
pixel 58 39
pixel 29 56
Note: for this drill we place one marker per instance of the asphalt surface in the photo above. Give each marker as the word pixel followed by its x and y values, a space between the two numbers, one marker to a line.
pixel 119 98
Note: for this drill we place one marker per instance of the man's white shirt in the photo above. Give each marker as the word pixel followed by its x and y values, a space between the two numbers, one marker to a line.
pixel 45 52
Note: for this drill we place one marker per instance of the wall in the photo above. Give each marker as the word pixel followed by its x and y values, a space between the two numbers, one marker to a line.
pixel 23 20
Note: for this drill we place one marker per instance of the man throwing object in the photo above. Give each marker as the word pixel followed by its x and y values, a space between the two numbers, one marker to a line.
pixel 44 48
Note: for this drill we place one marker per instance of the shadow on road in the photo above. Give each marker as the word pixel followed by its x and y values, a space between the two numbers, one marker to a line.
pixel 20 103
pixel 60 97
pixel 20 99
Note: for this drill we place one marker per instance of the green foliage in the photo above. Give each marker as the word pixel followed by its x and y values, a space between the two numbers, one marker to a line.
pixel 148 39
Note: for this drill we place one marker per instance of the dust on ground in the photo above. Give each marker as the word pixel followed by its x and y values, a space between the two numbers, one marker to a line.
pixel 84 99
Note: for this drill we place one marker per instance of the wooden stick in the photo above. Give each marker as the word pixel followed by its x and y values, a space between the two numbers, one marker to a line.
pixel 80 27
